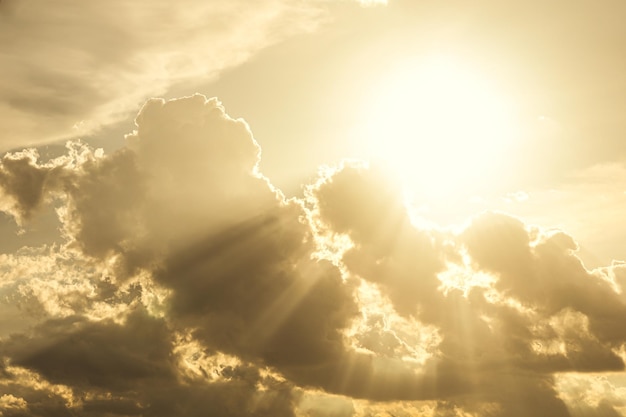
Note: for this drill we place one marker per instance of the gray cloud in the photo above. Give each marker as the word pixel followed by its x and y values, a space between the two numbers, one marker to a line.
pixel 131 369
pixel 25 182
pixel 545 274
pixel 185 284
pixel 388 250
pixel 183 204
pixel 104 355
pixel 541 311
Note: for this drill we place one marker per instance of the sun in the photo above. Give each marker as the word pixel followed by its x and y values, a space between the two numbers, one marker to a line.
pixel 444 128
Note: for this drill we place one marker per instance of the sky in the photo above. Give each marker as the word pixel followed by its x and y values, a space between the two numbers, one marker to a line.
pixel 312 208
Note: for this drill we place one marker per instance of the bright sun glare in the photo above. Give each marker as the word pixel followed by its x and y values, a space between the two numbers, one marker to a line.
pixel 440 126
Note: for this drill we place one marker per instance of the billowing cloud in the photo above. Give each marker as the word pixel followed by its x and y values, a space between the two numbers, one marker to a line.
pixel 72 67
pixel 185 283
pixel 388 249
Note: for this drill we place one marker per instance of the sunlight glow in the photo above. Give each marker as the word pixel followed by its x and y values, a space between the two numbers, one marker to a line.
pixel 443 127
pixel 368 3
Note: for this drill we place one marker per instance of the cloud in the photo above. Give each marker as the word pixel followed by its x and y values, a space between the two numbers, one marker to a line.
pixel 185 283
pixel 545 274
pixel 388 249
pixel 75 67
pixel 183 207
pixel 129 368
pixel 594 395
pixel 25 182
pixel 586 218
pixel 103 354
pixel 540 309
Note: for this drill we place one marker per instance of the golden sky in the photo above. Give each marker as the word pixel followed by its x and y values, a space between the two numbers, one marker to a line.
pixel 312 208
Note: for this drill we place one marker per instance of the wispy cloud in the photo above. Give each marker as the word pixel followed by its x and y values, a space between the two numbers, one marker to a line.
pixel 70 68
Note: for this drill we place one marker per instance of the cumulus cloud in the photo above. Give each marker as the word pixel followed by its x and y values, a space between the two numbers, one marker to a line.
pixel 25 182
pixel 537 309
pixel 185 283
pixel 74 67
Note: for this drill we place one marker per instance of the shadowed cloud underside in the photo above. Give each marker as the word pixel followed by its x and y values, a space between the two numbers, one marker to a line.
pixel 184 283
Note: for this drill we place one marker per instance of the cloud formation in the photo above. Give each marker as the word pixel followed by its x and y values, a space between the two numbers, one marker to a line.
pixel 185 283
pixel 72 67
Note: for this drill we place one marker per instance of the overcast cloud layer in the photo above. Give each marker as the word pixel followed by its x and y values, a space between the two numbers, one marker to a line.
pixel 183 283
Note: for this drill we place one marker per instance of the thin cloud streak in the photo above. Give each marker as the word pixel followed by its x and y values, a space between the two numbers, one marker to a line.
pixel 72 67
